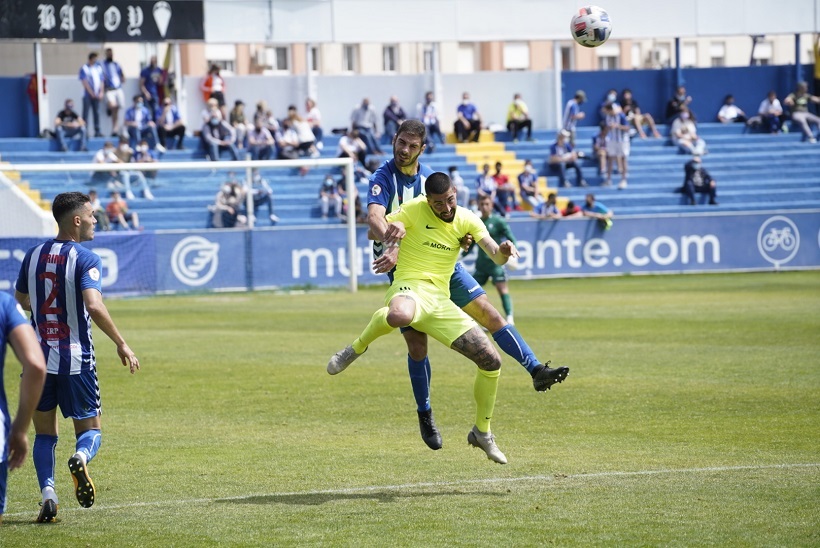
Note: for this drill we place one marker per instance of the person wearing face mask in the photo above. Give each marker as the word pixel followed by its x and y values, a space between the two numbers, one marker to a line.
pixel 468 121
pixel 227 207
pixel 684 134
pixel 114 97
pixel 611 98
pixel 518 118
pixel 528 185
pixel 676 104
pixel 363 119
pixel 394 116
pixel 69 124
pixel 140 124
pixel 573 113
pixel 170 124
pixel 92 79
pixel 427 112
pixel 217 136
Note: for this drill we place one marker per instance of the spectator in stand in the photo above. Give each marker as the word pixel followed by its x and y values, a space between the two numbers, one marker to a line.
pixel 260 141
pixel 305 139
pixel 572 210
pixel 140 124
pixel 99 210
pixel 111 179
pixel 636 117
pixel 238 122
pixel 287 142
pixel 547 210
pixel 563 157
pixel 341 189
pixel 505 192
pixel 611 98
pixel 314 118
pixel 262 194
pixel 597 210
pixel 144 155
pixel 528 185
pixel 730 113
pixel 363 119
pixel 227 207
pixel 68 124
pixel 617 143
pixel 427 112
pixel 329 194
pixel 170 124
pixel 211 109
pixel 676 104
pixel 114 96
pixel 599 147
pixel 518 118
pixel 213 87
pixel 462 192
pixel 573 113
pixel 486 185
pixel 352 146
pixel 151 78
pixel 131 179
pixel 218 136
pixel 394 116
pixel 684 133
pixel 697 180
pixel 93 81
pixel 798 103
pixel 118 212
pixel 468 121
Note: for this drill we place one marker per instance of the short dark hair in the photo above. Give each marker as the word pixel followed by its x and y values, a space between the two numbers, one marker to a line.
pixel 67 203
pixel 437 183
pixel 92 55
pixel 413 127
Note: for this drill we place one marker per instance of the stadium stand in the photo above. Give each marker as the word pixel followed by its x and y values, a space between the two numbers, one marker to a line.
pixel 754 172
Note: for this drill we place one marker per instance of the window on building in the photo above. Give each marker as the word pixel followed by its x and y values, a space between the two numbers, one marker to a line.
pixel 717 54
pixel 661 56
pixel 466 60
pixel 689 55
pixel 389 55
pixel 762 54
pixel 428 58
pixel 567 58
pixel 221 55
pixel 350 58
pixel 516 56
pixel 636 60
pixel 609 57
pixel 277 58
pixel 313 59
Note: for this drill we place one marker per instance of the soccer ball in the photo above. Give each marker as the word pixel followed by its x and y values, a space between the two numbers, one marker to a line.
pixel 590 26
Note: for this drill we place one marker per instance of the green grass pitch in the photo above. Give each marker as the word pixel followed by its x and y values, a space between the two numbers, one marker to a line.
pixel 691 417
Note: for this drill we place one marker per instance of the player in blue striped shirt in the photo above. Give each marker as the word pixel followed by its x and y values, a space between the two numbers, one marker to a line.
pixel 60 283
pixel 617 143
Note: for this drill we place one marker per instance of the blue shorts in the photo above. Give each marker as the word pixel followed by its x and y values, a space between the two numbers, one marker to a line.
pixel 77 395
pixel 4 476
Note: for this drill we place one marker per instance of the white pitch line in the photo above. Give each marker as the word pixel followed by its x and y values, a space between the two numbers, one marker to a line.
pixel 404 486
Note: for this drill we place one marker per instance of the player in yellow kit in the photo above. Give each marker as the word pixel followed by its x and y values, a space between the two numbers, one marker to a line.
pixel 430 229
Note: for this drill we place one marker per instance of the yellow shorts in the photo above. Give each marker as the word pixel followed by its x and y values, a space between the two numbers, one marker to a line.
pixel 436 314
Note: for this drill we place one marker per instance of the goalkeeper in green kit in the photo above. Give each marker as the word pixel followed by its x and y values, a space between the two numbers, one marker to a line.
pixel 485 268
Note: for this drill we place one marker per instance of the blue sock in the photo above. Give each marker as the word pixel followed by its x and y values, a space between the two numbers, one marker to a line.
pixel 45 459
pixel 511 342
pixel 88 443
pixel 420 379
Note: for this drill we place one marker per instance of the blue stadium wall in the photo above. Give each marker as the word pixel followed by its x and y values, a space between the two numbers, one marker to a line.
pixel 182 261
pixel 16 109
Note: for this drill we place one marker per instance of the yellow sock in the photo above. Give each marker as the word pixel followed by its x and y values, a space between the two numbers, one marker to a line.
pixel 484 391
pixel 378 327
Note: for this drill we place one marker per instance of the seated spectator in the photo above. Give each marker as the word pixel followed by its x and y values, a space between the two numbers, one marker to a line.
pixel 518 118
pixel 118 212
pixel 115 180
pixel 505 192
pixel 798 103
pixel 599 147
pixel 528 185
pixel 427 112
pixel 99 210
pixel 144 155
pixel 363 119
pixel 69 124
pixel 261 112
pixel 572 210
pixel 697 180
pixel 341 189
pixel 131 179
pixel 684 134
pixel 547 210
pixel 730 113
pixel 314 118
pixel 237 120
pixel 676 104
pixel 462 192
pixel 636 117
pixel 218 136
pixel 617 143
pixel 287 142
pixel 468 121
pixel 139 124
pixel 351 146
pixel 597 210
pixel 563 157
pixel 170 124
pixel 329 195
pixel 211 110
pixel 260 141
pixel 770 114
pixel 228 205
pixel 486 185
pixel 262 194
pixel 305 139
pixel 394 116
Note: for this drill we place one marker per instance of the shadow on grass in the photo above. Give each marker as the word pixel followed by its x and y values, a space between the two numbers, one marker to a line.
pixel 314 499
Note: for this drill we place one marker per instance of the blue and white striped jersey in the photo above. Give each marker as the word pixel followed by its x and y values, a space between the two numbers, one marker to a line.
pixel 616 134
pixel 54 275
pixel 11 317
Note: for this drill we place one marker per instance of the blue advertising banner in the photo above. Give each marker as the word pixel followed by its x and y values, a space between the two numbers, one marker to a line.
pixel 145 263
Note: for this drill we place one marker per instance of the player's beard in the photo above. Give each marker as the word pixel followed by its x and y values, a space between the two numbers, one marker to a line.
pixel 405 162
pixel 450 218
